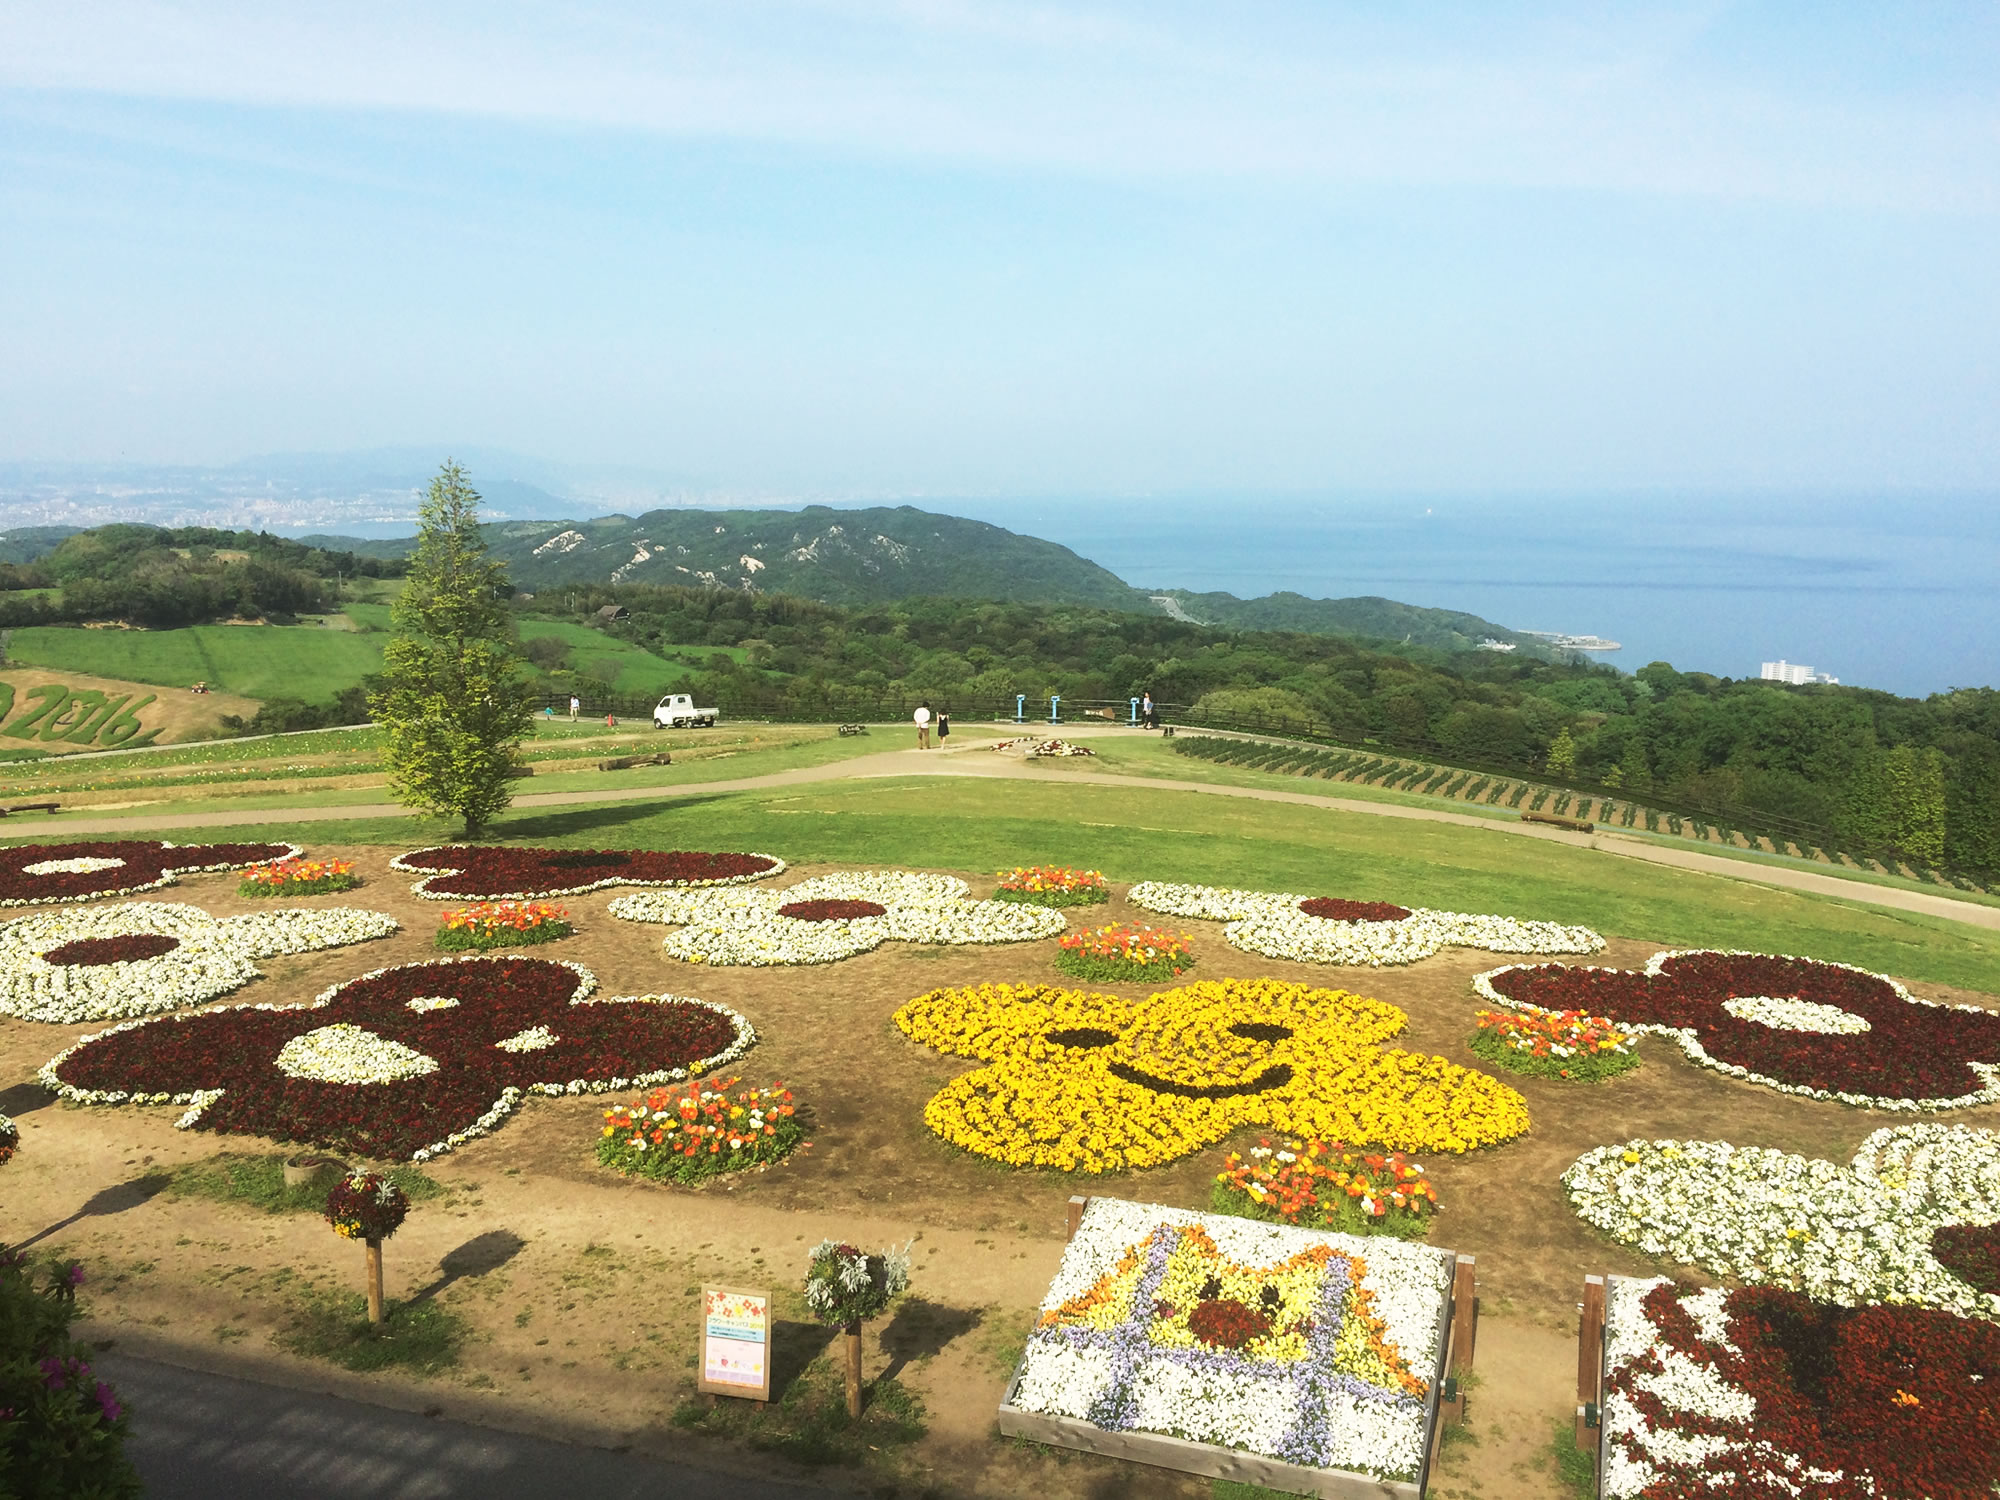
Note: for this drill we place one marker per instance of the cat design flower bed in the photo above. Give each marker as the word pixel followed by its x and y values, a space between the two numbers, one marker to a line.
pixel 455 872
pixel 141 957
pixel 1333 930
pixel 831 917
pixel 1305 1361
pixel 41 874
pixel 1762 1392
pixel 409 1061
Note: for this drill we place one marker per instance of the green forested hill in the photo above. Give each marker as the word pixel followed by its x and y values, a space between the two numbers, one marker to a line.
pixel 1370 616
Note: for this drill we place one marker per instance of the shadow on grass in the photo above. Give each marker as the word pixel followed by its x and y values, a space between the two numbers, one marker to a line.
pixel 115 1199
pixel 557 825
pixel 477 1256
pixel 24 1099
pixel 920 1329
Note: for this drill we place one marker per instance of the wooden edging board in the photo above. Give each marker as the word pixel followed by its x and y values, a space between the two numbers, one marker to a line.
pixel 1214 1461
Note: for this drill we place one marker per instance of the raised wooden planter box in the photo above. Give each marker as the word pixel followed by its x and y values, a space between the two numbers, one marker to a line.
pixel 1575 825
pixel 1212 1460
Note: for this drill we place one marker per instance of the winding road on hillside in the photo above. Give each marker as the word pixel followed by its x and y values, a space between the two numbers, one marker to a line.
pixel 978 760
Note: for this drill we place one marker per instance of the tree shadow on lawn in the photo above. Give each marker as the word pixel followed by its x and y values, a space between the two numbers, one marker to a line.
pixel 546 825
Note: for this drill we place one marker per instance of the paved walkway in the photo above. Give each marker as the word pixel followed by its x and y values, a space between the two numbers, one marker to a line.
pixel 199 1436
pixel 971 760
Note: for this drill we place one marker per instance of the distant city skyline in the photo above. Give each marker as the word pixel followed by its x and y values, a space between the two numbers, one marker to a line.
pixel 848 250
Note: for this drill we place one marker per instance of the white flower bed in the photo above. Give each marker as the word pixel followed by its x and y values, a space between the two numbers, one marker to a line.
pixel 1271 923
pixel 1845 1234
pixel 1120 1343
pixel 1785 1013
pixel 747 927
pixel 212 956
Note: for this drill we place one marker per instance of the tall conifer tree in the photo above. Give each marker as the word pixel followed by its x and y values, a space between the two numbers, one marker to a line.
pixel 453 698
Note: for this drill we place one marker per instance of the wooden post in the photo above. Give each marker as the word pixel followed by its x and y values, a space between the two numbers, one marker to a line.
pixel 851 1336
pixel 1464 1329
pixel 375 1281
pixel 1076 1207
pixel 1589 1360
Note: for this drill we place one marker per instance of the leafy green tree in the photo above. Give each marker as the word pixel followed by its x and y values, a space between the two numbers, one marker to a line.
pixel 1562 755
pixel 452 695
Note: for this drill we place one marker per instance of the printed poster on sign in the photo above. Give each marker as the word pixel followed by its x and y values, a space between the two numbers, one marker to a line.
pixel 735 1342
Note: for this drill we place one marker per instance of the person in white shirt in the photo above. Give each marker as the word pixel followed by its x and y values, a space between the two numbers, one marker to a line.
pixel 922 718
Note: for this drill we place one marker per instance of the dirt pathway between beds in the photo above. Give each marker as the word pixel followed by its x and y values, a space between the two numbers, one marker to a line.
pixel 968 760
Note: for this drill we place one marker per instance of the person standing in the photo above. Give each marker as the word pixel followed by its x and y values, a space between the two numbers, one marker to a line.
pixel 1146 717
pixel 922 719
pixel 944 727
pixel 575 703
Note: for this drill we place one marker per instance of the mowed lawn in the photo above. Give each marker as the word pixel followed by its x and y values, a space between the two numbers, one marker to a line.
pixel 257 661
pixel 1139 834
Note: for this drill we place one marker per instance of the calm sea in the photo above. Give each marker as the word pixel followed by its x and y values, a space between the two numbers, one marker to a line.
pixel 1895 594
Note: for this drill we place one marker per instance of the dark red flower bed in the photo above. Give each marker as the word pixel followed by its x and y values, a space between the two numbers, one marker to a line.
pixel 1971 1252
pixel 471 870
pixel 145 865
pixel 830 910
pixel 112 950
pixel 1227 1324
pixel 1334 909
pixel 1911 1051
pixel 236 1051
pixel 1904 1396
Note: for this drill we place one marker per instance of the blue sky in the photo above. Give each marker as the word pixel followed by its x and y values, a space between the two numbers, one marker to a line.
pixel 847 250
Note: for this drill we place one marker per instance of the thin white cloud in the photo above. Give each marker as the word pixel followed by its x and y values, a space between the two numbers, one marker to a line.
pixel 1582 98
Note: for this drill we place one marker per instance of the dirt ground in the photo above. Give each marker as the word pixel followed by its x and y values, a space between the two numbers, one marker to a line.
pixel 580 1284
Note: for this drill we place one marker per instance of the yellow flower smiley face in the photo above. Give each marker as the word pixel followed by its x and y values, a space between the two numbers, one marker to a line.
pixel 1095 1083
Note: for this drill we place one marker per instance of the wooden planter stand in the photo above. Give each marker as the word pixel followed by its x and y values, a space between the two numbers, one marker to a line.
pixel 1455 1349
pixel 1590 1355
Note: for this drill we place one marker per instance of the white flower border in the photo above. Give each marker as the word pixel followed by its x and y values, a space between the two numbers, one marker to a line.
pixel 778 867
pixel 1850 1235
pixel 1409 1282
pixel 167 876
pixel 510 1097
pixel 743 928
pixel 216 955
pixel 1270 923
pixel 1690 1043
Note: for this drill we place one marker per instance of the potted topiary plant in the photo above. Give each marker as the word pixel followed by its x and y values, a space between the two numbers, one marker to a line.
pixel 368 1207
pixel 846 1286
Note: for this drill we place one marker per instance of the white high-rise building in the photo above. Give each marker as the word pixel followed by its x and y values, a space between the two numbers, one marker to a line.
pixel 1792 672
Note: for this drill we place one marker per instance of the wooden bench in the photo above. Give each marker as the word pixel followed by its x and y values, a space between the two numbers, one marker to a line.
pixel 1574 825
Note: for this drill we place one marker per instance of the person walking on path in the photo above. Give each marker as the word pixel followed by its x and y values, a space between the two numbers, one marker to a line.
pixel 922 719
pixel 575 703
pixel 944 727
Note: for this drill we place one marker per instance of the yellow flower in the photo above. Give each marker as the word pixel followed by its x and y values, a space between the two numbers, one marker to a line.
pixel 1096 1083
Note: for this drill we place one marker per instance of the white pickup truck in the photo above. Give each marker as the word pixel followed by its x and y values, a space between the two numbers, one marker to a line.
pixel 677 711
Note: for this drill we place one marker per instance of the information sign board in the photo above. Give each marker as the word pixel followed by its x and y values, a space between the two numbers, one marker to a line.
pixel 735 1343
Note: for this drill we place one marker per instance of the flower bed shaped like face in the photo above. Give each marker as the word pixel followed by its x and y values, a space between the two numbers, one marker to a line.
pixel 377 1067
pixel 1849 1235
pixel 1329 930
pixel 1313 1348
pixel 459 871
pixel 753 927
pixel 142 957
pixel 1095 1083
pixel 1763 1392
pixel 39 874
pixel 1794 1024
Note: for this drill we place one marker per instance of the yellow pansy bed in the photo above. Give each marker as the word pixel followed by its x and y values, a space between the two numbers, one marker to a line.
pixel 1086 1082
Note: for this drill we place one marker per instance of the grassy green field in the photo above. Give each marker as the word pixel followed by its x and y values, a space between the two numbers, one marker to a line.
pixel 1137 834
pixel 258 661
